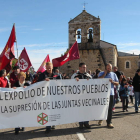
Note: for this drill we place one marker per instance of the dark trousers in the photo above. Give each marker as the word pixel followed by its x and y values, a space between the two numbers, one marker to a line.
pixel 109 117
pixel 18 129
pixel 82 123
pixel 131 98
pixel 48 127
pixel 125 102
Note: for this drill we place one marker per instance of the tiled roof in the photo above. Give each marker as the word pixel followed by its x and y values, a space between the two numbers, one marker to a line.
pixel 126 54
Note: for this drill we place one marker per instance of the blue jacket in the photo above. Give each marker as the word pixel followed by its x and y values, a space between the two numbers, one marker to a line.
pixel 123 91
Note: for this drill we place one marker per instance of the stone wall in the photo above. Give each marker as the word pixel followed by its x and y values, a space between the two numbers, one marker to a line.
pixel 128 72
pixel 110 55
pixel 92 58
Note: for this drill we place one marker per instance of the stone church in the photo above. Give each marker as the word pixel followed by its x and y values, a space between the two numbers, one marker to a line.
pixel 86 30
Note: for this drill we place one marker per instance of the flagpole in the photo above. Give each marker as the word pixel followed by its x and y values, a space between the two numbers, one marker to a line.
pixel 17 53
pixel 16 45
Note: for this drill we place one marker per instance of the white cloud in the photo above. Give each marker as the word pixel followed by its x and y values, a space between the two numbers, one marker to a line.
pixel 44 45
pixel 34 45
pixel 52 51
pixel 10 28
pixel 135 51
pixel 20 26
pixel 4 29
pixel 23 32
pixel 128 44
pixel 37 29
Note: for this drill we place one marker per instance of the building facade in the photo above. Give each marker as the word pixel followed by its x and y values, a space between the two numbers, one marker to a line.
pixel 86 30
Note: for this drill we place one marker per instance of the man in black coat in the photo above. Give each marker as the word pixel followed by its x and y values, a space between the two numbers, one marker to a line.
pixel 136 85
pixel 82 74
pixel 47 76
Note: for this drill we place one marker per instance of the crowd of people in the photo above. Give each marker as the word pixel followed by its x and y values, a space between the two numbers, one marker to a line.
pixel 122 88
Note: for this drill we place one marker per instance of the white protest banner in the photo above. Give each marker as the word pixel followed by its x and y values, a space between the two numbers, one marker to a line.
pixel 54 102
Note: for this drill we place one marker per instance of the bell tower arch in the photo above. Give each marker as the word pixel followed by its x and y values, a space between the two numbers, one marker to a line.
pixel 90 30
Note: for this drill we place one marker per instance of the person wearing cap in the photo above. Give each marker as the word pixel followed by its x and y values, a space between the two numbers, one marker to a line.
pixel 13 75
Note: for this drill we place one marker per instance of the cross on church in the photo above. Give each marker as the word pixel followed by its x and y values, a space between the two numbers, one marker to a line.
pixel 84 5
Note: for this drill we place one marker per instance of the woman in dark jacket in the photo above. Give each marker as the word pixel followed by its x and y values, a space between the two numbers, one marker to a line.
pixel 20 83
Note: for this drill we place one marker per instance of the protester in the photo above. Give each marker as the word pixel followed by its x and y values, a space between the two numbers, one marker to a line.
pixel 121 77
pixel 114 81
pixel 47 76
pixel 128 79
pixel 3 80
pixel 82 74
pixel 131 93
pixel 136 85
pixel 74 74
pixel 97 73
pixel 118 73
pixel 58 73
pixel 29 77
pixel 131 79
pixel 36 76
pixel 20 83
pixel 67 77
pixel 89 72
pixel 124 94
pixel 93 74
pixel 13 75
pixel 115 98
pixel 64 76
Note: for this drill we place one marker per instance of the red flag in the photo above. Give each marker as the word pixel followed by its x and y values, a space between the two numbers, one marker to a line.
pixel 72 54
pixel 8 53
pixel 24 61
pixel 42 68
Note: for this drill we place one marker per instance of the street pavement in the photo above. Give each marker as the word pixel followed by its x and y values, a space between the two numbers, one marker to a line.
pixel 126 127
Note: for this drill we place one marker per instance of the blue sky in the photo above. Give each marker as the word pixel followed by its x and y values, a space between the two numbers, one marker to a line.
pixel 42 25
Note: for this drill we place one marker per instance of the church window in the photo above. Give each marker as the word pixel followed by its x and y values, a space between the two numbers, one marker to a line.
pixel 127 64
pixel 78 35
pixel 90 35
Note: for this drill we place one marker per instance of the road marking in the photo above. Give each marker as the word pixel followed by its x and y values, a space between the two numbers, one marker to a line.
pixel 81 136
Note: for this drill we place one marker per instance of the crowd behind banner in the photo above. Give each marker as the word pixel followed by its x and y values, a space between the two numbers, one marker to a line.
pixel 123 89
